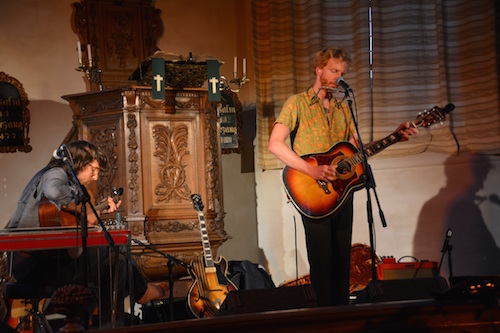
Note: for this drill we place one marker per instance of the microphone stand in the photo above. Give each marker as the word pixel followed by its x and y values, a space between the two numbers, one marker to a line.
pixel 447 249
pixel 170 263
pixel 369 184
pixel 83 197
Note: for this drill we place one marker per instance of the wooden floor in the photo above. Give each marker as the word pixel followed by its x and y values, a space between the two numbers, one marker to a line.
pixel 395 316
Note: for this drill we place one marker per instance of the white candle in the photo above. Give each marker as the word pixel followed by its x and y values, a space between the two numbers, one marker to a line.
pixel 235 64
pixel 244 66
pixel 79 48
pixel 89 53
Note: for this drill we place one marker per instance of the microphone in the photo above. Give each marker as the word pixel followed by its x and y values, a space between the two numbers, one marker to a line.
pixel 449 233
pixel 59 152
pixel 340 82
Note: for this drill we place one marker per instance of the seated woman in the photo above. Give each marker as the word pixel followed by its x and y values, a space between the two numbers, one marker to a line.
pixel 56 185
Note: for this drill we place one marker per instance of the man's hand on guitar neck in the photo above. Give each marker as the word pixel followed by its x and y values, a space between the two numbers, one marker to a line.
pixel 406 130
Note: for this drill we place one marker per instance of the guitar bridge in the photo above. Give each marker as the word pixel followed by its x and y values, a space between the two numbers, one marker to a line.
pixel 324 186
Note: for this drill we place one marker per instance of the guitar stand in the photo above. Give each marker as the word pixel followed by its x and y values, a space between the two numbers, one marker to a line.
pixel 369 184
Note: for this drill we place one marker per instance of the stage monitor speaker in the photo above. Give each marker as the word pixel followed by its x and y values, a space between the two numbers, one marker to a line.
pixel 272 299
pixel 474 288
pixel 403 289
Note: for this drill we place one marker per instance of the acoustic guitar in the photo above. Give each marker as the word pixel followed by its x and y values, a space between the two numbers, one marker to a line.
pixel 322 198
pixel 211 284
pixel 50 216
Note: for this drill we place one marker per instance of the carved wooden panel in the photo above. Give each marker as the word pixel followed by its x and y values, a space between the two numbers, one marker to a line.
pixel 121 33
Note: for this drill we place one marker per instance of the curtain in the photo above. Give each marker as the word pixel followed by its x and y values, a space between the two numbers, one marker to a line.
pixel 408 57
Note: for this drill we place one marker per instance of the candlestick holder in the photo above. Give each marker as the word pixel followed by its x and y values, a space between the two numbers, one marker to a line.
pixel 234 84
pixel 93 73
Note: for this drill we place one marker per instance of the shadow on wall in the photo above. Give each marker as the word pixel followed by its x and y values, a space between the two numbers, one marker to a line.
pixel 456 206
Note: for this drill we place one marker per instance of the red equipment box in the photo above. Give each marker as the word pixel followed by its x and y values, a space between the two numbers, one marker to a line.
pixel 389 269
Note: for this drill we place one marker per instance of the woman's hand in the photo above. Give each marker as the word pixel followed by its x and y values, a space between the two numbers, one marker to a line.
pixel 112 206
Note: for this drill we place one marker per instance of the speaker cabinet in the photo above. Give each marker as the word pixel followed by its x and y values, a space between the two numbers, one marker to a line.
pixel 401 289
pixel 261 300
pixel 389 269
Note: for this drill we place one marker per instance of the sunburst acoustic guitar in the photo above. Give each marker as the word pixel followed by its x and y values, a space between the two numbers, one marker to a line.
pixel 318 198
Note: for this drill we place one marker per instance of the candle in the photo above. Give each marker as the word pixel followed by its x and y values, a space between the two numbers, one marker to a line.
pixel 235 65
pixel 89 53
pixel 244 66
pixel 79 48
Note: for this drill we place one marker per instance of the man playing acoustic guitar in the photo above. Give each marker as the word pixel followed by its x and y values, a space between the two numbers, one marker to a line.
pixel 315 121
pixel 55 185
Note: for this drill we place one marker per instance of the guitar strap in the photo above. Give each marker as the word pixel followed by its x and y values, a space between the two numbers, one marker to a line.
pixel 294 133
pixel 39 176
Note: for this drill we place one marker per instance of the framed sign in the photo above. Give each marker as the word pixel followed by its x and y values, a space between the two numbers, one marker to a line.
pixel 14 116
pixel 230 122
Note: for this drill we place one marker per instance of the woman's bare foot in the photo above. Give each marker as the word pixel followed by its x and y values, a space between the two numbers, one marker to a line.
pixel 154 292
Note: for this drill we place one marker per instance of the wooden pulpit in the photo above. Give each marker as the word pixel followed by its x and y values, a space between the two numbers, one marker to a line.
pixel 160 152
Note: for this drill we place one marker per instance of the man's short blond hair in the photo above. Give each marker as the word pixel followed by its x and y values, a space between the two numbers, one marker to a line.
pixel 322 57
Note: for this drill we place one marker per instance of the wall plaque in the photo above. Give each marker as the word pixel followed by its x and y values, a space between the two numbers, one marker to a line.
pixel 14 116
pixel 230 122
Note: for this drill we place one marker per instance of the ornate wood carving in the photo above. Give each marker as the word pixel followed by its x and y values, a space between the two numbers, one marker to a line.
pixel 171 147
pixel 133 160
pixel 105 139
pixel 122 33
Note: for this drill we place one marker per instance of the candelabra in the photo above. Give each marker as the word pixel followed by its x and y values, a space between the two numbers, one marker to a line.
pixel 235 83
pixel 92 71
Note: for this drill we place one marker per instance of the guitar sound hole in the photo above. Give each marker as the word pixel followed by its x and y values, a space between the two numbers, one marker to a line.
pixel 343 167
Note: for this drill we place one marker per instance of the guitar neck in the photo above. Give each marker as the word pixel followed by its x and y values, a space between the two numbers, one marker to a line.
pixel 209 262
pixel 104 205
pixel 375 148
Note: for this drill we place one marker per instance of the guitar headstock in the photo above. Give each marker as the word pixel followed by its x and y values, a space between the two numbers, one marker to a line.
pixel 197 202
pixel 116 191
pixel 435 115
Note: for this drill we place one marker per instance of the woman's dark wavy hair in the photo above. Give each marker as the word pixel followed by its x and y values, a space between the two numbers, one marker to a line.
pixel 82 153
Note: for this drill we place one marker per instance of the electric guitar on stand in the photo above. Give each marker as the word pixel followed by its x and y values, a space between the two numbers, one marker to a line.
pixel 211 285
pixel 321 198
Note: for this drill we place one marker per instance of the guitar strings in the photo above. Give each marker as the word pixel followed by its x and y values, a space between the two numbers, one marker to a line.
pixel 199 268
